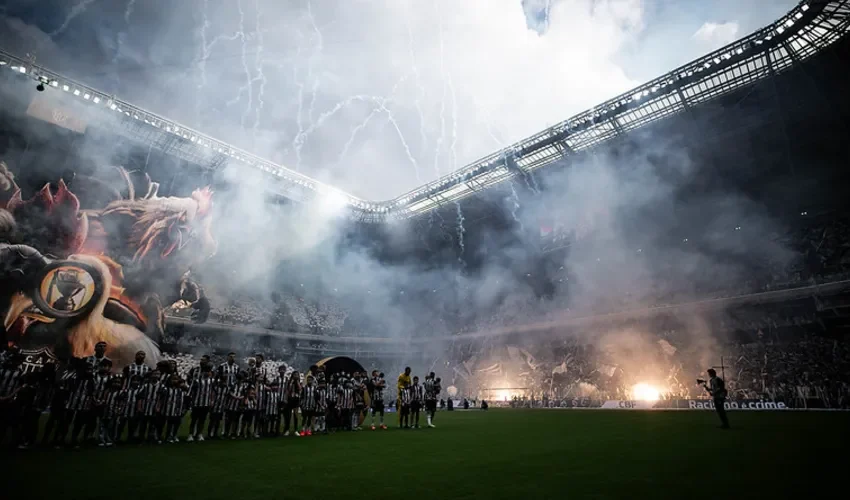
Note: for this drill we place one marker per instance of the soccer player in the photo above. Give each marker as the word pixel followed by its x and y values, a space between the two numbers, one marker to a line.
pixel 171 403
pixel 359 387
pixel 417 398
pixel 101 380
pixel 261 388
pixel 26 403
pixel 321 407
pixel 234 407
pixel 403 380
pixel 53 427
pixel 99 355
pixel 229 369
pixel 292 403
pixel 131 414
pixel 404 397
pixel 79 403
pixel 308 406
pixel 332 398
pixel 151 427
pixel 272 410
pixel 201 395
pixel 249 414
pixel 432 392
pixel 137 369
pixel 221 396
pixel 346 405
pixel 11 377
pixel 378 386
pixel 197 372
pixel 111 408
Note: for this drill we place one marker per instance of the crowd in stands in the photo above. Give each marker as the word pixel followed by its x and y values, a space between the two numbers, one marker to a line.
pixel 809 371
pixel 822 248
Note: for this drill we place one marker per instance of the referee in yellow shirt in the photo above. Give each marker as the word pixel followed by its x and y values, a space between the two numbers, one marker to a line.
pixel 403 379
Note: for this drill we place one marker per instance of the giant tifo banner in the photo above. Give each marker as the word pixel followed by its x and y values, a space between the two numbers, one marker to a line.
pixel 695 404
pixel 84 260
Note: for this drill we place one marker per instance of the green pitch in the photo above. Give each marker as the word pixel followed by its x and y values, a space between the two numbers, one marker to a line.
pixel 517 454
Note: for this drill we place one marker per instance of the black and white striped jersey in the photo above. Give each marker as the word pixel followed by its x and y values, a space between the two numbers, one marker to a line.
pixel 321 399
pixel 171 401
pixel 262 389
pixel 10 379
pixel 237 394
pixel 201 393
pixel 228 372
pixel 195 374
pixel 405 396
pixel 271 405
pixel 430 393
pixel 113 403
pixel 346 399
pixel 150 398
pixel 417 393
pixel 378 386
pixel 332 396
pixel 132 401
pixel 100 383
pixel 308 398
pixel 79 393
pixel 221 396
pixel 249 404
pixel 134 370
pixel 94 361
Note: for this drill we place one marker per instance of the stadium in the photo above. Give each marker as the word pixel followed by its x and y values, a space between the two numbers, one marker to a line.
pixel 569 289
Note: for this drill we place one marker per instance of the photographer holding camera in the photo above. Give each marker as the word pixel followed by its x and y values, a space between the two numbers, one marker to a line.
pixel 717 388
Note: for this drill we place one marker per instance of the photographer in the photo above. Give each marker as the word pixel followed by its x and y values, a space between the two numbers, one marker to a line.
pixel 717 388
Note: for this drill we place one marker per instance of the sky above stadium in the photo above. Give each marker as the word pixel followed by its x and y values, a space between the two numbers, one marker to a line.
pixel 374 97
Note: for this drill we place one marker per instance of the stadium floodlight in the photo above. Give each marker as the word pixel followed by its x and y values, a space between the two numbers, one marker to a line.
pixel 87 96
pixel 67 88
pixel 805 7
pixel 23 69
pixel 3 62
pixel 76 91
pixel 113 107
pixel 332 202
pixel 96 99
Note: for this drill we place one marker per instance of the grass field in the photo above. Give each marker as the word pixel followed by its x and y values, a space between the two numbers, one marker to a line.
pixel 495 454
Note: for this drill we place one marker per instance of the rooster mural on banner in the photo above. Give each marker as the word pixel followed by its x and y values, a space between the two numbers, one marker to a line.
pixel 71 277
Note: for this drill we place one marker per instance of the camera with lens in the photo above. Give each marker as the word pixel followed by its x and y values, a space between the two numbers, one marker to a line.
pixel 700 381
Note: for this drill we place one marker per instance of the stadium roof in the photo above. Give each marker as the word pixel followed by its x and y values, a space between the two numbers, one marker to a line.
pixel 809 28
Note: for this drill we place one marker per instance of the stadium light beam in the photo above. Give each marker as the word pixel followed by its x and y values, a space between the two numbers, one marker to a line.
pixel 332 202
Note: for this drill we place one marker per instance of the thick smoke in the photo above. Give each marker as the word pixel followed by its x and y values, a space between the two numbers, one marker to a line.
pixel 310 97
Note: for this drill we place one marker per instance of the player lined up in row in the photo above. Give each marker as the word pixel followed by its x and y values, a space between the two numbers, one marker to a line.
pixel 84 399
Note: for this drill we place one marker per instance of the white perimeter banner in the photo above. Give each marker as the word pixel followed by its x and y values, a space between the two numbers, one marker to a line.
pixel 694 404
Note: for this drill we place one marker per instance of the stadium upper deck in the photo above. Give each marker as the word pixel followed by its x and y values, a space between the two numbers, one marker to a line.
pixel 808 29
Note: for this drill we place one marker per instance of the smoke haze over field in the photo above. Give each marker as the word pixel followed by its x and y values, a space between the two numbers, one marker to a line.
pixel 378 97
pixel 373 97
